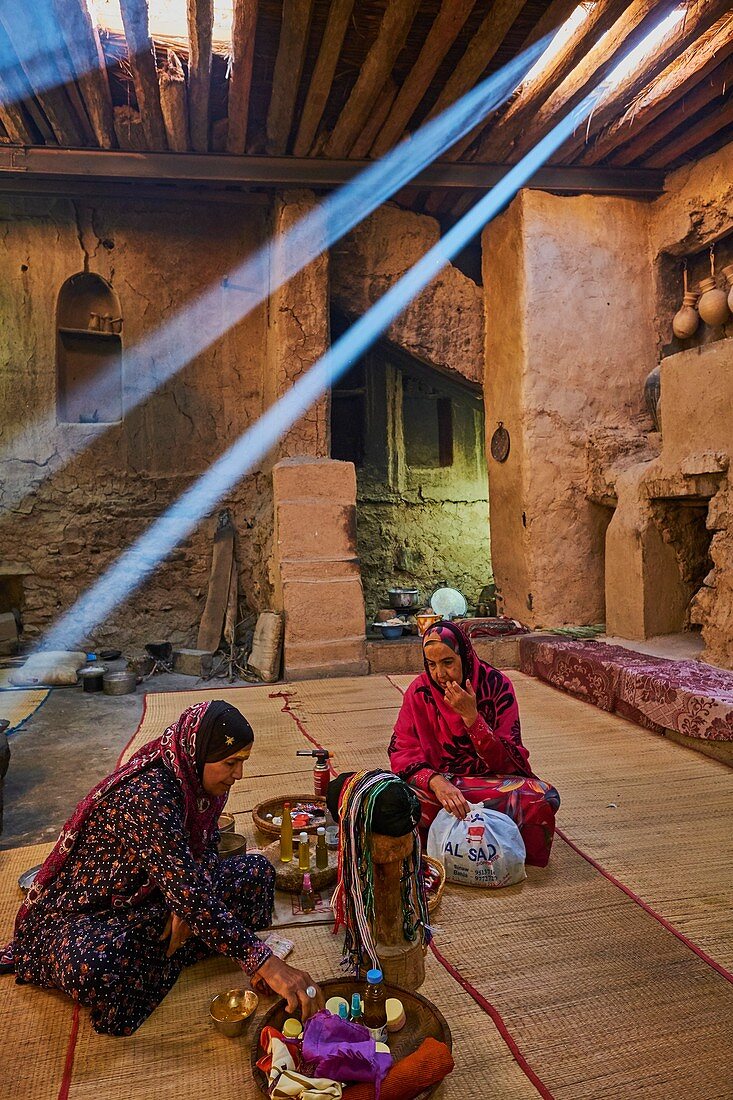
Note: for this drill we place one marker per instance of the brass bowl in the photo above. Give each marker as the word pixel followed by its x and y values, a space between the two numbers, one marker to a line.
pixel 232 844
pixel 226 823
pixel 231 1010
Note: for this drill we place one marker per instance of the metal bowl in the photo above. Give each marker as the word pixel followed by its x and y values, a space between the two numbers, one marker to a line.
pixel 403 597
pixel 226 823
pixel 232 844
pixel 231 1010
pixel 27 879
pixel 119 683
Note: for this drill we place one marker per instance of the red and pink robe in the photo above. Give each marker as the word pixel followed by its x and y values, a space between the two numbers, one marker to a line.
pixel 488 762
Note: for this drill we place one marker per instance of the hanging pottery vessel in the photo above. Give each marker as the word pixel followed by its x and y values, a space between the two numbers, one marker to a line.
pixel 686 319
pixel 728 272
pixel 713 303
pixel 652 393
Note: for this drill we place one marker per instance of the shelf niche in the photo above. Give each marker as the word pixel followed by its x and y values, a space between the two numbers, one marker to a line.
pixel 88 355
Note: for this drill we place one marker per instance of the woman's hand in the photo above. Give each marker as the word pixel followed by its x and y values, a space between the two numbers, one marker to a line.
pixel 449 796
pixel 462 701
pixel 178 931
pixel 292 984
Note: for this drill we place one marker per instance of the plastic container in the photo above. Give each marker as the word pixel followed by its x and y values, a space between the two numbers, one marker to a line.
pixel 92 674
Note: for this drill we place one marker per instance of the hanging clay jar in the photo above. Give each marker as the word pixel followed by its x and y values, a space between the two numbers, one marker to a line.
pixel 713 304
pixel 686 319
pixel 728 272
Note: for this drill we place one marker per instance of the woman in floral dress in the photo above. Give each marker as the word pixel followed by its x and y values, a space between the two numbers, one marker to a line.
pixel 458 740
pixel 134 890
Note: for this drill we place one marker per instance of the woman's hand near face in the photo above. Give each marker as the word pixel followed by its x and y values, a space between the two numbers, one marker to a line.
pixel 463 701
pixel 292 984
pixel 449 796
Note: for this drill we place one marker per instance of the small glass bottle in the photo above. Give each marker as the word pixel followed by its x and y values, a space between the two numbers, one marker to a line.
pixel 307 897
pixel 286 835
pixel 321 849
pixel 375 1006
pixel 304 853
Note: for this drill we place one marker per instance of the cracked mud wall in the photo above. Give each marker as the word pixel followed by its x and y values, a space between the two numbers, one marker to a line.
pixel 569 342
pixel 74 495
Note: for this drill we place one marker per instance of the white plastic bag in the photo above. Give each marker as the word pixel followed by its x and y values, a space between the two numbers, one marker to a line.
pixel 485 849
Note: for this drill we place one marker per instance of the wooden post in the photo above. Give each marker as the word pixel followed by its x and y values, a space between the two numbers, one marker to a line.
pixel 402 962
pixel 200 35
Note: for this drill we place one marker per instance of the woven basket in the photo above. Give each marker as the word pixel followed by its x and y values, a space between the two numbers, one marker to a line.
pixel 436 895
pixel 274 806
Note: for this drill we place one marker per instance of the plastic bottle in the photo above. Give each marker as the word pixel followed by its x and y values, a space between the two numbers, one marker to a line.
pixel 355 1007
pixel 375 1006
pixel 321 849
pixel 304 853
pixel 307 897
pixel 343 1012
pixel 286 835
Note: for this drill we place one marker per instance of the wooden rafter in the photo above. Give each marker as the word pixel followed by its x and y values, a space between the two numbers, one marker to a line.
pixel 445 29
pixel 551 21
pixel 658 116
pixel 627 32
pixel 29 38
pixel 697 20
pixel 145 77
pixel 296 21
pixel 244 25
pixel 497 142
pixel 85 49
pixel 174 104
pixel 688 136
pixel 374 123
pixel 54 46
pixel 200 35
pixel 319 88
pixel 13 90
pixel 377 66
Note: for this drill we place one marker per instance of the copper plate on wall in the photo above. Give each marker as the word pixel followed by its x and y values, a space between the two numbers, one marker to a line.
pixel 500 443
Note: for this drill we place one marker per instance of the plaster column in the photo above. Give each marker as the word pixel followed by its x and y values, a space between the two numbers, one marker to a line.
pixel 569 342
pixel 317 577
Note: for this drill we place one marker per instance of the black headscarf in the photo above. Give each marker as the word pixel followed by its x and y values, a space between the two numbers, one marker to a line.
pixel 396 809
pixel 222 732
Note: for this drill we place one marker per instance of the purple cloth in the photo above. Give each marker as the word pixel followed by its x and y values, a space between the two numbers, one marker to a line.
pixel 342 1051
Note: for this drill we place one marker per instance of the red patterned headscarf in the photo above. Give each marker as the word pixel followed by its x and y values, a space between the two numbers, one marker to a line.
pixel 176 750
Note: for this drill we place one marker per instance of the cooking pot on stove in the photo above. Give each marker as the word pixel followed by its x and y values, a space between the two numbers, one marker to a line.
pixel 403 597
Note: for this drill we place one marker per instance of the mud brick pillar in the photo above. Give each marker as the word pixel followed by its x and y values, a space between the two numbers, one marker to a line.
pixel 317 576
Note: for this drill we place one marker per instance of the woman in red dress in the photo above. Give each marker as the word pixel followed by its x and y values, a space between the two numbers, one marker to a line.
pixel 458 740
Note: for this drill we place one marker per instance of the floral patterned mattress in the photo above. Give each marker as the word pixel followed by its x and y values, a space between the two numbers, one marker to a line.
pixel 690 697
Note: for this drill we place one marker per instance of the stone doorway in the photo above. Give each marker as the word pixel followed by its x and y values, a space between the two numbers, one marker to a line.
pixel 416 438
pixel 683 526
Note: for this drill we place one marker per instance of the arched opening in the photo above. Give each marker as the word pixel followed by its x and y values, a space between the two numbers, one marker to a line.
pixel 88 351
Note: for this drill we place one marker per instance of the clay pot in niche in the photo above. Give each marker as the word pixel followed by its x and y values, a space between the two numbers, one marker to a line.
pixel 713 304
pixel 728 272
pixel 686 319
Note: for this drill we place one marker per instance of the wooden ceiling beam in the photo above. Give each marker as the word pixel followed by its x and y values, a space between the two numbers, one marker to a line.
pixel 446 27
pixel 687 137
pixel 13 91
pixel 50 32
pixel 244 27
pixel 85 50
pixel 374 123
pixel 631 135
pixel 26 35
pixel 375 70
pixel 697 20
pixel 498 139
pixel 174 104
pixel 200 37
pixel 550 22
pixel 141 56
pixel 294 30
pixel 324 71
pixel 639 18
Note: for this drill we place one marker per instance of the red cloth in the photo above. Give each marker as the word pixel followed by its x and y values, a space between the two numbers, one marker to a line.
pixel 428 1065
pixel 177 750
pixel 487 762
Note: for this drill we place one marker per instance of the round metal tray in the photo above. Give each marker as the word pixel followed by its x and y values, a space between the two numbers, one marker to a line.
pixel 423 1019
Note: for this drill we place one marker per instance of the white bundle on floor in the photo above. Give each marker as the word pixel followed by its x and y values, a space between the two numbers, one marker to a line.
pixel 485 849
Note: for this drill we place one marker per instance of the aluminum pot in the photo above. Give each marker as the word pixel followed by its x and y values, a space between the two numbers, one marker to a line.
pixel 403 597
pixel 119 683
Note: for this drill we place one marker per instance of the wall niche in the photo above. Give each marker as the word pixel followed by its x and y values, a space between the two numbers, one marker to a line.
pixel 88 351
pixel 697 268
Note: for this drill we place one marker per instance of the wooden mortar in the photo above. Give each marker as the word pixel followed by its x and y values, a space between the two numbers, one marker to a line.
pixel 402 962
